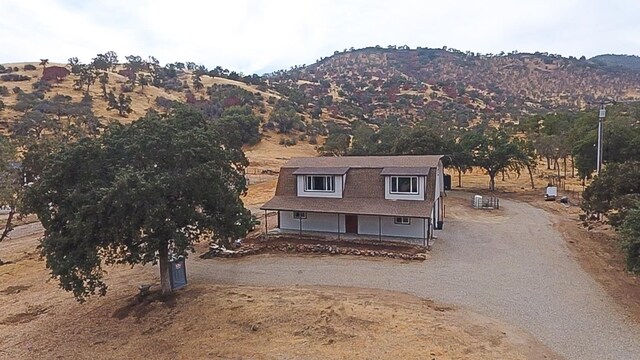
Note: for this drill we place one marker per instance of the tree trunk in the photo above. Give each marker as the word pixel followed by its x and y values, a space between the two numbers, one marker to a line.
pixel 459 178
pixel 502 175
pixel 531 176
pixel 492 181
pixel 165 270
pixel 548 163
pixel 573 168
pixel 8 226
pixel 565 167
pixel 557 167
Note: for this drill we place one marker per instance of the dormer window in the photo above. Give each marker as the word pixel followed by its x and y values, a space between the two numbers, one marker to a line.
pixel 404 184
pixel 319 183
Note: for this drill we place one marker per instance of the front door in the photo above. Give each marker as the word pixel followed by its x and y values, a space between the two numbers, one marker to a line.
pixel 351 224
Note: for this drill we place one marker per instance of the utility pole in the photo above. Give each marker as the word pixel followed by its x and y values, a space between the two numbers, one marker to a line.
pixel 601 116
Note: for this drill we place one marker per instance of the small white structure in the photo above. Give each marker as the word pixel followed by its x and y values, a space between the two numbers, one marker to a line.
pixel 369 195
pixel 477 201
pixel 551 193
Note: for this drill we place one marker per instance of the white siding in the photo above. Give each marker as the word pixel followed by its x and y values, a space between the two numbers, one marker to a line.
pixel 368 225
pixel 338 181
pixel 313 222
pixel 389 196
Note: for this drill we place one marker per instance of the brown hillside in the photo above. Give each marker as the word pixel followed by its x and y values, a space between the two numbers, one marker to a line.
pixel 377 85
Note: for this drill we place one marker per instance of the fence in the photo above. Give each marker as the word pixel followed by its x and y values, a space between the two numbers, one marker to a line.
pixel 485 202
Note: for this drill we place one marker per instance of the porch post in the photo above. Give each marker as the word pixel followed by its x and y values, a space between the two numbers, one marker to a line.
pixel 424 236
pixel 338 226
pixel 300 218
pixel 266 227
pixel 379 229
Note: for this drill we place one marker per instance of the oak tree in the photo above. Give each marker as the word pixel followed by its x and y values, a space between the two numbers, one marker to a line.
pixel 138 194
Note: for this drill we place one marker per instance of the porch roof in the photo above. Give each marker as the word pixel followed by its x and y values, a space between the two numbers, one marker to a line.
pixel 351 206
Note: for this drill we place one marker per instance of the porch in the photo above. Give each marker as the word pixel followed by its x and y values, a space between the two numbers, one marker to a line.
pixel 351 227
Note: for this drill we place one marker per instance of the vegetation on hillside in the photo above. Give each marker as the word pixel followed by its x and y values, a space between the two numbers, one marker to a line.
pixel 378 85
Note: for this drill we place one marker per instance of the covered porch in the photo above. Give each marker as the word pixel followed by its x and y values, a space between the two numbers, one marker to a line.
pixel 346 227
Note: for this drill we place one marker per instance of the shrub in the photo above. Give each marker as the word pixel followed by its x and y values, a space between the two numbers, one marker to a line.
pixel 4 91
pixel 17 90
pixel 165 103
pixel 2 106
pixel 14 77
pixel 288 141
pixel 313 140
pixel 631 239
pixel 29 67
pixel 172 84
pixel 126 87
pixel 41 86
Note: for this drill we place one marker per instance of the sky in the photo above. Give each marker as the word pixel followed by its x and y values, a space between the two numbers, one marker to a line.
pixel 252 36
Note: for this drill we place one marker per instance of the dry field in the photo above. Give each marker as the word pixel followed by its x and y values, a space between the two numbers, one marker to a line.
pixel 38 320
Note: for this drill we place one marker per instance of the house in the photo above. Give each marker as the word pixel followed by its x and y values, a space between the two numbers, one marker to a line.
pixel 390 196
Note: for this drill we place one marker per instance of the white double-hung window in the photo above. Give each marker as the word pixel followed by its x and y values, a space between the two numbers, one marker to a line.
pixel 319 183
pixel 404 184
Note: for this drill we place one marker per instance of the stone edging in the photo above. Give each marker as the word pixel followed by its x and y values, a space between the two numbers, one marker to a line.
pixel 316 248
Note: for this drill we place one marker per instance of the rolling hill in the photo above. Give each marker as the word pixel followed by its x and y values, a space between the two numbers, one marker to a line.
pixel 377 85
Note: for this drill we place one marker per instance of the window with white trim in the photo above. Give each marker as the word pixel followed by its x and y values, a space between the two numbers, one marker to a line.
pixel 299 215
pixel 402 220
pixel 319 183
pixel 404 185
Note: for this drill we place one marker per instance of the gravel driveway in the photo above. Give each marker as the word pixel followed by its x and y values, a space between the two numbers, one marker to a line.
pixel 514 267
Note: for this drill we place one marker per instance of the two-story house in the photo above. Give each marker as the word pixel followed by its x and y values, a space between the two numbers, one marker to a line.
pixel 390 196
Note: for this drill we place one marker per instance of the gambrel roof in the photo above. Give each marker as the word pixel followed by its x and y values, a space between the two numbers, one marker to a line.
pixel 364 189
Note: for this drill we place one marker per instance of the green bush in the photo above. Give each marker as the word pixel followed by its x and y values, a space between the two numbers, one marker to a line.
pixel 630 231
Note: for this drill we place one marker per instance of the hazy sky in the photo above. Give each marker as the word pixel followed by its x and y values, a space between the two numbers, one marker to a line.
pixel 262 36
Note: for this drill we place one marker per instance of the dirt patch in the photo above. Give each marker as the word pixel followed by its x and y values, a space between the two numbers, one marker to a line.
pixel 32 312
pixel 460 206
pixel 39 320
pixel 207 321
pixel 14 289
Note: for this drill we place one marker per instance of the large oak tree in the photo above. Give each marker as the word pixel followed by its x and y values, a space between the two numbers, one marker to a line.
pixel 138 194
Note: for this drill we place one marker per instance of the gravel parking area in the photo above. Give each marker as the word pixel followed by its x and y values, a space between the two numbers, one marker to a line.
pixel 511 265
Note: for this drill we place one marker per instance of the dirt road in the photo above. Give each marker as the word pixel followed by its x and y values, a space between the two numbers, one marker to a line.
pixel 509 264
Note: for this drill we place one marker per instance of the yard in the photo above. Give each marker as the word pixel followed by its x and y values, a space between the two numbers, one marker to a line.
pixel 497 284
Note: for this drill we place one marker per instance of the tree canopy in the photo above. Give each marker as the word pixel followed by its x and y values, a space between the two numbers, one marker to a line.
pixel 9 182
pixel 137 194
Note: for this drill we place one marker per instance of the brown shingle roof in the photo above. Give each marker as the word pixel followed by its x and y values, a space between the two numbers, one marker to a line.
pixel 424 171
pixel 366 161
pixel 364 187
pixel 417 209
pixel 321 171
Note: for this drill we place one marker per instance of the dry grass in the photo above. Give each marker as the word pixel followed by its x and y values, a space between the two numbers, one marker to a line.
pixel 38 320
